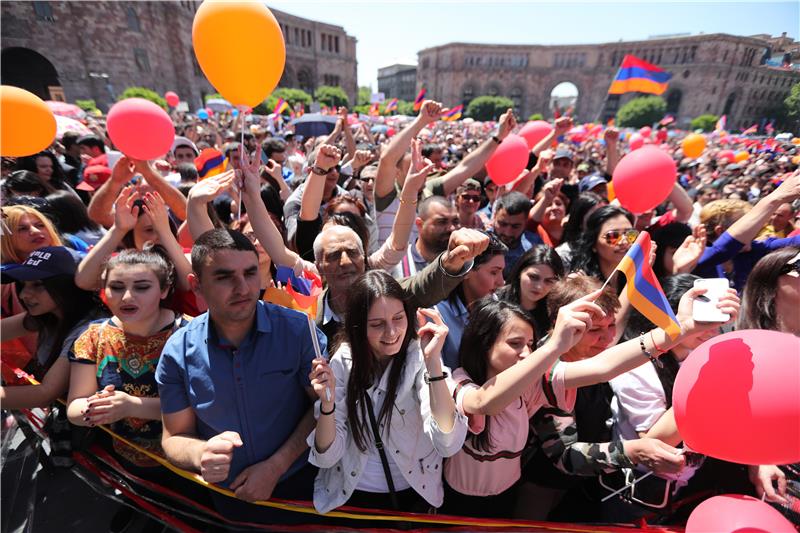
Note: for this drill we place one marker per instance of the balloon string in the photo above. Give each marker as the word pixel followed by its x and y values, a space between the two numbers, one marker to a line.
pixel 241 163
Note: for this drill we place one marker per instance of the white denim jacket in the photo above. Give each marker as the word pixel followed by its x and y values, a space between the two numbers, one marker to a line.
pixel 415 443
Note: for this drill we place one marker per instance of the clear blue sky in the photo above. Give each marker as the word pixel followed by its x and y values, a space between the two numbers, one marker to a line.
pixel 393 31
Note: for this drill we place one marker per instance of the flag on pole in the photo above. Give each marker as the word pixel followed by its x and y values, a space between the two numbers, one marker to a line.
pixel 667 120
pixel 281 106
pixel 644 290
pixel 454 113
pixel 300 293
pixel 419 99
pixel 391 105
pixel 209 163
pixel 637 75
pixel 769 128
pixel 721 123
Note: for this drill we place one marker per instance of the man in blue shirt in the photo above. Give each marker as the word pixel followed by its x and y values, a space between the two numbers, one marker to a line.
pixel 235 394
pixel 509 219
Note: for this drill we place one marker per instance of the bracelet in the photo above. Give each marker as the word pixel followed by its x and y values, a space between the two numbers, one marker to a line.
pixel 647 353
pixel 652 338
pixel 333 409
pixel 429 379
pixel 408 202
pixel 320 171
pixel 496 139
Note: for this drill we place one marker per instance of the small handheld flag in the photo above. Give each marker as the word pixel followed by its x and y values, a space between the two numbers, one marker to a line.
pixel 391 105
pixel 281 106
pixel 752 129
pixel 209 163
pixel 454 113
pixel 644 290
pixel 374 109
pixel 637 75
pixel 419 99
pixel 721 123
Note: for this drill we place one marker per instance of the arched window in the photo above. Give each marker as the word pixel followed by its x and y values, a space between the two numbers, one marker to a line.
pixel 674 101
pixel 133 19
pixel 305 80
pixel 729 103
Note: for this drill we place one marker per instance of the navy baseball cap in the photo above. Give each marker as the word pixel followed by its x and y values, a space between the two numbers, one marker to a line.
pixel 588 183
pixel 42 264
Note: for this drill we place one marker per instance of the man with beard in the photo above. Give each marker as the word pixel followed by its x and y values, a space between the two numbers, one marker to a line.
pixel 508 222
pixel 339 254
pixel 235 394
pixel 436 220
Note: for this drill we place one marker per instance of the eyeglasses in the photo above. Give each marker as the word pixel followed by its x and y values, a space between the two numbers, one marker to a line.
pixel 471 198
pixel 615 236
pixel 791 268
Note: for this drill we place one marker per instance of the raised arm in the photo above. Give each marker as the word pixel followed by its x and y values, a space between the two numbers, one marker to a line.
pixel 349 140
pixel 562 126
pixel 172 196
pixel 611 137
pixel 415 180
pixel 549 192
pixel 125 215
pixel 681 203
pixel 387 165
pixel 474 162
pixel 155 208
pixel 202 194
pixel 276 171
pixel 746 228
pixel 328 156
pixel 498 392
pixel 100 207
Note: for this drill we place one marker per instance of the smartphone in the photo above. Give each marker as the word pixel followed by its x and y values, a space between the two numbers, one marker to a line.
pixel 705 305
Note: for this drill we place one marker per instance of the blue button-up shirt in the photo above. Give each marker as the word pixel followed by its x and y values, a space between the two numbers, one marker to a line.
pixel 257 389
pixel 527 241
pixel 455 315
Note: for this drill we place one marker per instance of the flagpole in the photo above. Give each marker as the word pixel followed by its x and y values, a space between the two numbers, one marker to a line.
pixel 605 98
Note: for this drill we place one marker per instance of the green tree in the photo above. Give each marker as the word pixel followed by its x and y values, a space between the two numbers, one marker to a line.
pixel 143 92
pixel 485 108
pixel 405 108
pixel 705 122
pixel 364 94
pixel 212 96
pixel 331 96
pixel 536 116
pixel 792 104
pixel 362 109
pixel 87 105
pixel 642 111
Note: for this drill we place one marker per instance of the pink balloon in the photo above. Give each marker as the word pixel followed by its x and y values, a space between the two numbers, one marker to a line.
pixel 645 131
pixel 736 513
pixel 736 398
pixel 171 98
pixel 508 160
pixel 140 129
pixel 727 154
pixel 209 111
pixel 535 131
pixel 644 178
pixel 636 141
pixel 661 136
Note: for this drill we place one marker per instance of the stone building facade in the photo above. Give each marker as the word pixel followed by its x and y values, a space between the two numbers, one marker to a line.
pixel 398 81
pixel 714 73
pixel 77 50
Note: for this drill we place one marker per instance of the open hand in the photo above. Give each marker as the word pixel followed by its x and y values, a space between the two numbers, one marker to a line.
pixel 156 209
pixel 125 213
pixel 208 189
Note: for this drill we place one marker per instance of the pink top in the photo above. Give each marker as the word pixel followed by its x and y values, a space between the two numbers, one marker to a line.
pixel 490 472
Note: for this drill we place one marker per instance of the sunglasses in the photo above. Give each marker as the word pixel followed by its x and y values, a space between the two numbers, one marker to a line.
pixel 789 268
pixel 471 198
pixel 615 236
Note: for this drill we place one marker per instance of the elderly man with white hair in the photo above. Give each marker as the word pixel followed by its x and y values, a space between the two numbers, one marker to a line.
pixel 340 259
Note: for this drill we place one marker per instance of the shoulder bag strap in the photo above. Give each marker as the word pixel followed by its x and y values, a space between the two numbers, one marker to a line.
pixel 381 451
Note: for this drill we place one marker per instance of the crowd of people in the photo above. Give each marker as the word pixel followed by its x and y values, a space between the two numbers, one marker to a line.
pixel 468 358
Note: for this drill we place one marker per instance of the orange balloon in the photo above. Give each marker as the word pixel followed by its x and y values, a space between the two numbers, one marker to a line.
pixel 741 156
pixel 240 48
pixel 693 145
pixel 27 125
pixel 796 140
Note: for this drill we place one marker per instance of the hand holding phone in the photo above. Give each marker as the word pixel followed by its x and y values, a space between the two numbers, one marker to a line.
pixel 704 308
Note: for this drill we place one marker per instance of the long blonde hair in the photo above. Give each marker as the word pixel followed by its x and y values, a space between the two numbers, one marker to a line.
pixel 11 217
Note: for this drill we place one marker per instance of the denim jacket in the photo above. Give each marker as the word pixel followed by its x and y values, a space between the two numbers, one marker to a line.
pixel 415 443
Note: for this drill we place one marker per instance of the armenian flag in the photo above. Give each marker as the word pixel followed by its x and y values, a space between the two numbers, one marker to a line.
pixel 644 290
pixel 375 109
pixel 454 113
pixel 721 123
pixel 300 293
pixel 281 106
pixel 751 129
pixel 210 162
pixel 637 75
pixel 419 99
pixel 391 105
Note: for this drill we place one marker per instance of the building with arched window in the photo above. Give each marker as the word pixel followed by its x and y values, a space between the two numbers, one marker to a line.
pixel 80 50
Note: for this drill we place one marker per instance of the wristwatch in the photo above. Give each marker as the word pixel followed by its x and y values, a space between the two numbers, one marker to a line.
pixel 320 171
pixel 429 379
pixel 496 139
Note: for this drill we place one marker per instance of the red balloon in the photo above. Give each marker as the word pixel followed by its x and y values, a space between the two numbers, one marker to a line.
pixel 645 131
pixel 737 513
pixel 209 111
pixel 596 130
pixel 727 154
pixel 661 136
pixel 140 129
pixel 736 398
pixel 636 141
pixel 508 160
pixel 171 98
pixel 535 131
pixel 644 178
